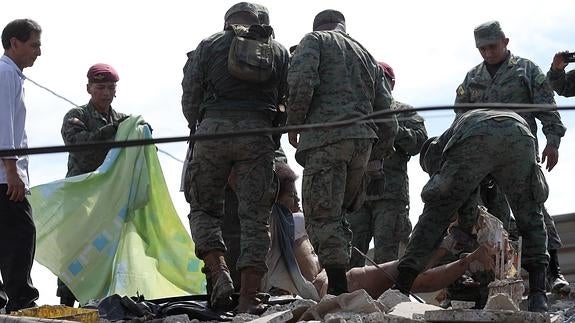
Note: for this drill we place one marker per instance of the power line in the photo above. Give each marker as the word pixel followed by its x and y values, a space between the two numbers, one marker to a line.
pixel 376 117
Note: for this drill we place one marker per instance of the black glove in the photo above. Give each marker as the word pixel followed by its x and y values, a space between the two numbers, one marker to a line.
pixel 144 123
pixel 108 131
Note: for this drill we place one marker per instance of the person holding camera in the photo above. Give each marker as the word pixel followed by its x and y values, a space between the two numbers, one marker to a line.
pixel 563 83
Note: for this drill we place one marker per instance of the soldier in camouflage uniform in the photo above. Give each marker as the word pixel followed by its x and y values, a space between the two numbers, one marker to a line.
pixel 223 103
pixel 563 83
pixel 95 121
pixel 385 213
pixel 506 78
pixel 333 78
pixel 483 143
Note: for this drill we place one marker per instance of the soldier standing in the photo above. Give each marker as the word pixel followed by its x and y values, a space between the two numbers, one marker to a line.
pixel 95 121
pixel 505 78
pixel 385 213
pixel 332 78
pixel 225 103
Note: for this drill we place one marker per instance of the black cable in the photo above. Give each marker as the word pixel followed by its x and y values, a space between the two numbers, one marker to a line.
pixel 520 108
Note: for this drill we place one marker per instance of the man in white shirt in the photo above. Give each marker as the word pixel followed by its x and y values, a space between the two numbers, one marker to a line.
pixel 21 42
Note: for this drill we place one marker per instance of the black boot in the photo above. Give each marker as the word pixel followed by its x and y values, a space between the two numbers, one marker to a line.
pixel 555 279
pixel 537 295
pixel 337 280
pixel 405 280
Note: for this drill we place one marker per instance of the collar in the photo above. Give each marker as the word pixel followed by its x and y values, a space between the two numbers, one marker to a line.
pixel 6 59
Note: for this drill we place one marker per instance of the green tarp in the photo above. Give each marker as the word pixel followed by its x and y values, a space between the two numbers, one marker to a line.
pixel 115 230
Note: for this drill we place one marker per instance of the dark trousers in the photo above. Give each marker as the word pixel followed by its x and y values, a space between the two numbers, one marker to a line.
pixel 17 247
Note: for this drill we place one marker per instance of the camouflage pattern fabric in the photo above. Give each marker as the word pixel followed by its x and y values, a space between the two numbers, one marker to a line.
pixel 252 160
pixel 518 80
pixel 385 214
pixel 482 143
pixel 387 221
pixel 209 85
pixel 563 83
pixel 187 110
pixel 218 102
pixel 333 78
pixel 333 185
pixel 320 93
pixel 85 124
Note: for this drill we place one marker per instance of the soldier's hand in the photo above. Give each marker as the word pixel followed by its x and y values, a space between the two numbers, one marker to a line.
pixel 559 61
pixel 551 155
pixel 108 131
pixel 122 119
pixel 16 189
pixel 293 138
pixel 144 123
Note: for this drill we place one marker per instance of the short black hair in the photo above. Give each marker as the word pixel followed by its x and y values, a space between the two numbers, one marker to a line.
pixel 285 175
pixel 22 29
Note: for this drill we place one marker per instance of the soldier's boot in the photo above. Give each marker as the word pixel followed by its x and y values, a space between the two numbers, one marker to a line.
pixel 555 279
pixel 249 302
pixel 67 300
pixel 336 280
pixel 219 283
pixel 537 296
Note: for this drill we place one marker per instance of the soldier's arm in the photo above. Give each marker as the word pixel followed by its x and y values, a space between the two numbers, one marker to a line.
pixel 196 89
pixel 462 94
pixel 75 129
pixel 387 130
pixel 303 78
pixel 187 88
pixel 563 83
pixel 411 133
pixel 552 126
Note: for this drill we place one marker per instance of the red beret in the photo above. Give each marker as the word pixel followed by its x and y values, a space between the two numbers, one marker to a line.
pixel 100 73
pixel 387 70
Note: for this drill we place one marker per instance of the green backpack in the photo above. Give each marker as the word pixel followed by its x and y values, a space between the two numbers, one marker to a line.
pixel 251 55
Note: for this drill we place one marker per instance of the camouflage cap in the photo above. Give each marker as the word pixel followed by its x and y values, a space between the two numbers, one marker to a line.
pixel 241 7
pixel 328 17
pixel 488 33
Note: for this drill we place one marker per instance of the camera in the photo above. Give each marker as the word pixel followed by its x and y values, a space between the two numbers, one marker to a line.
pixel 569 57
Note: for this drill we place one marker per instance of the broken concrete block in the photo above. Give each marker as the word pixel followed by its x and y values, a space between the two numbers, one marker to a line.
pixel 358 301
pixel 342 317
pixel 457 305
pixel 181 318
pixel 412 310
pixel 390 298
pixel 501 301
pixel 244 317
pixel 278 317
pixel 485 316
pixel 385 318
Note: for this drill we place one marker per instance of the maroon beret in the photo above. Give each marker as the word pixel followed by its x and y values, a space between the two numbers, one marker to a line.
pixel 387 70
pixel 100 73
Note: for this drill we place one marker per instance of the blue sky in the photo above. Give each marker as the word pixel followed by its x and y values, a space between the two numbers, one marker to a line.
pixel 428 43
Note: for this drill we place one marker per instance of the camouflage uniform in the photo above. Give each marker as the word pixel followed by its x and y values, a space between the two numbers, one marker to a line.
pixel 222 103
pixel 563 83
pixel 482 143
pixel 83 125
pixel 518 80
pixel 333 78
pixel 385 213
